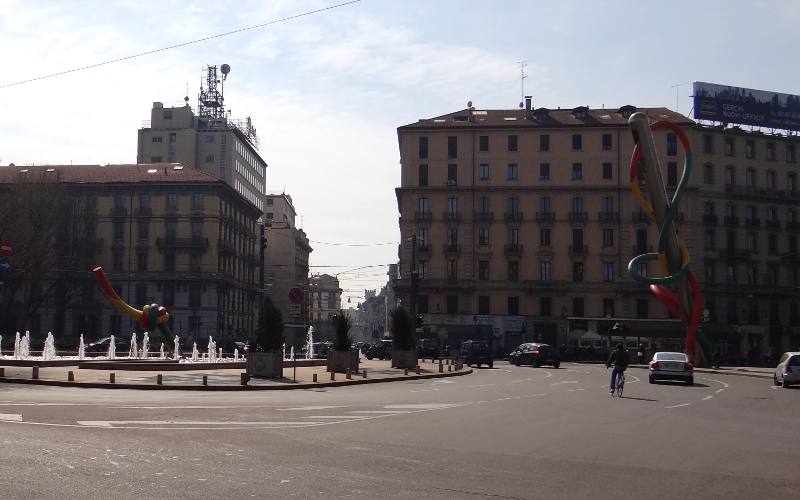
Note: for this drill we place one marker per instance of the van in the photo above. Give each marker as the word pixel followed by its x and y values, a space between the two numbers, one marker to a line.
pixel 477 352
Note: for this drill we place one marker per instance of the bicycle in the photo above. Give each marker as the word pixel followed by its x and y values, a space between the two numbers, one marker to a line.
pixel 620 384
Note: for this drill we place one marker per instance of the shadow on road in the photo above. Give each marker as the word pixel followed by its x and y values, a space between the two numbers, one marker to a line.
pixel 677 383
pixel 639 399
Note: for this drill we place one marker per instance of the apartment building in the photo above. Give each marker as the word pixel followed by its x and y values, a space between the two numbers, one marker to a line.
pixel 525 224
pixel 324 301
pixel 164 233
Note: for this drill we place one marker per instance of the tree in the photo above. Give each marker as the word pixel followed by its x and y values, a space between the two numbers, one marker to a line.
pixel 268 336
pixel 402 330
pixel 342 325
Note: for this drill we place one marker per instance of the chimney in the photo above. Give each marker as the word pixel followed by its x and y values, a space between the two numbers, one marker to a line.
pixel 528 103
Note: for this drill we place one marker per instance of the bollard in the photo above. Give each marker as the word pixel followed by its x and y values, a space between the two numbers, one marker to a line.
pixel 315 378
pixel 245 378
pixel 2 372
pixel 205 379
pixel 70 376
pixel 111 378
pixel 159 379
pixel 449 368
pixel 333 375
pixel 364 374
pixel 441 368
pixel 35 373
pixel 417 369
pixel 405 371
pixel 347 374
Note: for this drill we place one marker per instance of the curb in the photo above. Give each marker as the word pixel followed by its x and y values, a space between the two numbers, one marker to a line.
pixel 288 387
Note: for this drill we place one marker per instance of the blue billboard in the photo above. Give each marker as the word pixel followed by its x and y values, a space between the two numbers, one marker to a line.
pixel 723 103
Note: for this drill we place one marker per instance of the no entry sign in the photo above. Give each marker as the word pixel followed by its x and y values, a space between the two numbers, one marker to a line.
pixel 295 295
pixel 5 248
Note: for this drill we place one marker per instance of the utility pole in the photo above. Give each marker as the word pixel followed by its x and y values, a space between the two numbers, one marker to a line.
pixel 677 88
pixel 414 276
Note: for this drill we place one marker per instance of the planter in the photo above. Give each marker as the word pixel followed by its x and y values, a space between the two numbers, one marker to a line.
pixel 265 364
pixel 404 359
pixel 341 361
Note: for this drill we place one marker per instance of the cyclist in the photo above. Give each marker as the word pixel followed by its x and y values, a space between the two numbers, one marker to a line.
pixel 618 358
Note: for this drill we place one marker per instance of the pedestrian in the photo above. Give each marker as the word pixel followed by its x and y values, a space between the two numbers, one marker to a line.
pixel 715 357
pixel 640 353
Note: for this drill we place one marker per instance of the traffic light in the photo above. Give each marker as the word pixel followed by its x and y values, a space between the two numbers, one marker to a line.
pixel 419 321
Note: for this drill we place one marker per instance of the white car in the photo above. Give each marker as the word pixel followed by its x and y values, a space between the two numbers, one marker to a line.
pixel 788 370
pixel 671 366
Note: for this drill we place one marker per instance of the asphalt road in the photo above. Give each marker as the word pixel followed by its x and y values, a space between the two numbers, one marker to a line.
pixel 508 432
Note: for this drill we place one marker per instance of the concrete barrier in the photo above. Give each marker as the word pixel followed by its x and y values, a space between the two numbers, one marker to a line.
pixel 245 378
pixel 205 379
pixel 364 374
pixel 315 378
pixel 159 379
pixel 35 373
pixel 70 376
pixel 347 374
pixel 111 378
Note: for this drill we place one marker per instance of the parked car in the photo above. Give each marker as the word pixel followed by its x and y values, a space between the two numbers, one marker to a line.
pixel 428 348
pixel 100 346
pixel 671 366
pixel 242 346
pixel 381 350
pixel 477 352
pixel 788 370
pixel 536 355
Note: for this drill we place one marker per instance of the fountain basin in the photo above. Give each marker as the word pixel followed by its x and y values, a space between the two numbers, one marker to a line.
pixel 38 362
pixel 172 365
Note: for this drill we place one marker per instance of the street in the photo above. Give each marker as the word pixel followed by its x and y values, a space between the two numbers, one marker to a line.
pixel 507 432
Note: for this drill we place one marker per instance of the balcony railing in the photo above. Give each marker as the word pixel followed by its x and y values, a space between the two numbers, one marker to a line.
pixel 577 216
pixel 545 216
pixel 225 247
pixel 119 211
pixel 710 220
pixel 734 253
pixel 773 224
pixel 512 216
pixel 512 248
pixel 451 248
pixel 452 216
pixel 192 243
pixel 423 247
pixel 578 249
pixel 640 217
pixel 546 286
pixel 752 222
pixel 422 216
pixel 143 211
pixel 731 220
pixel 608 216
pixel 484 216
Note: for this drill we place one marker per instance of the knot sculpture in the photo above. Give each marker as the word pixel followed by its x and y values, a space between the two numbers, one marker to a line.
pixel 150 317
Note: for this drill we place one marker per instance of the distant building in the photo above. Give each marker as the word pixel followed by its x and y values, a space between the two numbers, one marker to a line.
pixel 325 300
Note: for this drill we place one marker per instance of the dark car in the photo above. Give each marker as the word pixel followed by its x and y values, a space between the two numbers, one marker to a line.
pixel 477 352
pixel 428 348
pixel 100 346
pixel 381 350
pixel 536 355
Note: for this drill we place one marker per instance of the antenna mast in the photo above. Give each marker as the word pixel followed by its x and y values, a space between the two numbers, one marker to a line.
pixel 677 87
pixel 522 77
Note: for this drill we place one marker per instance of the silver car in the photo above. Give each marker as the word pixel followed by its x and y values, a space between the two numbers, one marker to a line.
pixel 788 370
pixel 671 366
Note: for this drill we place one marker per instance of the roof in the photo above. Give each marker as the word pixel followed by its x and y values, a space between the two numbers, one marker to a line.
pixel 542 117
pixel 110 174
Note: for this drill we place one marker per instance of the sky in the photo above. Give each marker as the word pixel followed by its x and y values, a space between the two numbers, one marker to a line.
pixel 327 91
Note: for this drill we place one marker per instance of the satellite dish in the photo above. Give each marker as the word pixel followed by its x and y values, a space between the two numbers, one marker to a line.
pixel 225 69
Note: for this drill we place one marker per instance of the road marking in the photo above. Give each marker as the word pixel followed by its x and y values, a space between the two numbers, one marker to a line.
pixel 565 382
pixel 349 417
pixel 387 412
pixel 443 382
pixel 431 406
pixel 677 406
pixel 707 397
pixel 425 390
pixel 724 384
pixel 111 423
pixel 309 408
pixel 522 380
pixel 577 371
pixel 11 417
pixel 719 390
pixel 481 385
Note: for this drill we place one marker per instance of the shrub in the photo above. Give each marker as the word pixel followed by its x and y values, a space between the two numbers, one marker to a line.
pixel 402 330
pixel 269 333
pixel 342 324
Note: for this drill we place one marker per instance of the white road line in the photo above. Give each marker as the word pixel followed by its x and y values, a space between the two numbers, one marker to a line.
pixel 349 417
pixel 430 406
pixel 111 423
pixel 425 390
pixel 308 408
pixel 677 406
pixel 707 397
pixel 481 385
pixel 11 417
pixel 387 412
pixel 719 390
pixel 521 380
pixel 724 384
pixel 565 382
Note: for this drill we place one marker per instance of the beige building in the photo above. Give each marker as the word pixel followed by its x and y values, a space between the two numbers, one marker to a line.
pixel 525 224
pixel 324 301
pixel 286 266
pixel 164 233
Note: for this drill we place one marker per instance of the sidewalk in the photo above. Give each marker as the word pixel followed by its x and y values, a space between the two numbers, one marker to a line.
pixel 223 380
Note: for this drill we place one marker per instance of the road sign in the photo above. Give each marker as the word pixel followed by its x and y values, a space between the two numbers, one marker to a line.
pixel 5 248
pixel 5 265
pixel 295 295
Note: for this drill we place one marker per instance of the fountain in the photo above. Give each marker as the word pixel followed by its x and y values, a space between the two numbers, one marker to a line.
pixel 81 349
pixel 291 352
pixel 145 345
pixel 161 352
pixel 177 354
pixel 310 343
pixel 1 346
pixel 112 348
pixel 212 349
pixel 195 354
pixel 134 350
pixel 284 350
pixel 235 352
pixel 49 349
pixel 24 349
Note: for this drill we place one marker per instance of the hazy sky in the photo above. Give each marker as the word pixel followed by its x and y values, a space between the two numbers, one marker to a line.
pixel 327 91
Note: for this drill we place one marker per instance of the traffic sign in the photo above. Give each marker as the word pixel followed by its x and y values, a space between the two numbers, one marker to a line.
pixel 295 295
pixel 5 265
pixel 5 248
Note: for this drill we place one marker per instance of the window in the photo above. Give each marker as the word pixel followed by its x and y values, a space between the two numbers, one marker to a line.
pixel 790 154
pixel 422 236
pixel 197 201
pixel 672 144
pixel 729 147
pixel 544 236
pixel 513 270
pixel 730 176
pixel 512 142
pixel 577 205
pixel 483 236
pixel 483 269
pixel 512 172
pixel 770 151
pixel 577 240
pixel 197 228
pixel 483 305
pixel 169 261
pixel 607 204
pixel 116 265
pixel 545 306
pixel 791 182
pixel 195 290
pixel 608 271
pixel 513 236
pixel 144 230
pixel 144 200
pixel 452 146
pixel 210 138
pixel 772 244
pixel 270 202
pixel 544 142
pixel 452 206
pixel 422 304
pixel 119 230
pixel 641 268
pixel 608 308
pixel 158 139
pixel 141 294
pixel 167 116
pixel 577 171
pixel 483 205
pixel 608 237
pixel 750 177
pixel 608 171
pixel 210 158
pixel 172 138
pixel 172 200
pixel 423 175
pixel 733 315
pixel 452 304
pixel 483 143
pixel 708 144
pixel 423 147
pixel 606 142
pixel 577 142
pixel 731 275
pixel 155 159
pixel 141 260
pixel 771 183
pixel 544 171
pixel 168 294
pixel 512 204
pixel 749 150
pixel 709 239
pixel 577 272
pixel 577 306
pixel 423 206
pixel 710 273
pixel 544 204
pixel 641 241
pixel 422 268
pixel 513 306
pixel 452 174
pixel 708 173
pixel 483 171
pixel 171 230
pixel 641 308
pixel 452 236
pixel 672 174
pixel 544 270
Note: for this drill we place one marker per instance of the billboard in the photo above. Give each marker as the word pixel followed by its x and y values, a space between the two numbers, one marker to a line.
pixel 723 103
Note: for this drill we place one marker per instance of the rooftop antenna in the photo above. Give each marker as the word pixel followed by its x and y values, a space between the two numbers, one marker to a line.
pixel 522 77
pixel 677 87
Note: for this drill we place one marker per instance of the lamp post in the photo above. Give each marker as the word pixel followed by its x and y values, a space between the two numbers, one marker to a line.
pixel 414 276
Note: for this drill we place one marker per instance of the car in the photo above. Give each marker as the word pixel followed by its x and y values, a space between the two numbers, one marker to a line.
pixel 428 348
pixel 536 355
pixel 671 366
pixel 477 352
pixel 243 347
pixel 381 350
pixel 788 370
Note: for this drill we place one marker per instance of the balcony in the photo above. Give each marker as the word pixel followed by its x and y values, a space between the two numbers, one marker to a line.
pixel 790 256
pixel 734 253
pixel 577 216
pixel 452 216
pixel 640 217
pixel 608 216
pixel 512 249
pixel 772 224
pixel 143 212
pixel 182 243
pixel 451 248
pixel 422 216
pixel 512 216
pixel 225 247
pixel 710 220
pixel 578 249
pixel 546 286
pixel 119 211
pixel 423 248
pixel 731 221
pixel 484 216
pixel 752 222
pixel 545 216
